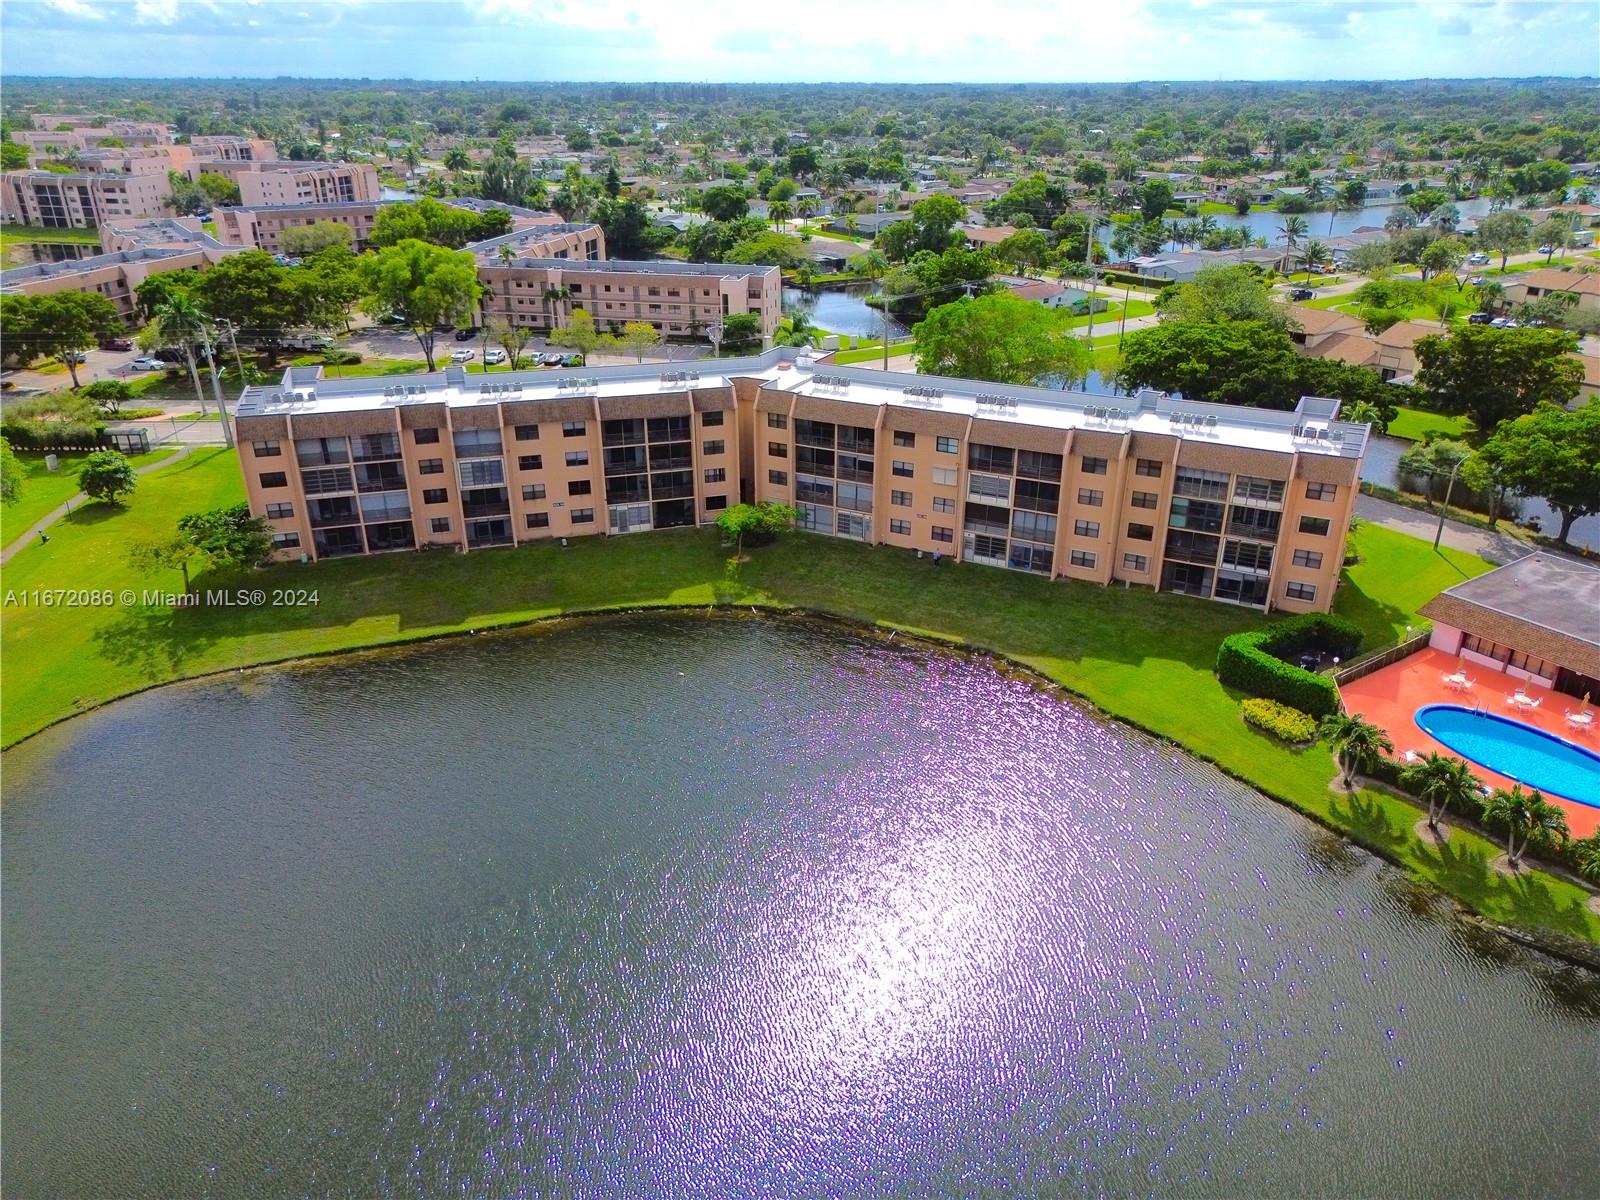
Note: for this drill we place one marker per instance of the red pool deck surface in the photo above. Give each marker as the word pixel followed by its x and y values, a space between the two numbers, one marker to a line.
pixel 1392 696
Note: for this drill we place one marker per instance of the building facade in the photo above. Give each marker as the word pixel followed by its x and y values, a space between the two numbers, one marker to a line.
pixel 679 299
pixel 81 199
pixel 1245 506
pixel 297 182
pixel 115 275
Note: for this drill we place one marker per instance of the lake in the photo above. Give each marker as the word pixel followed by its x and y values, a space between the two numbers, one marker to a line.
pixel 842 310
pixel 667 906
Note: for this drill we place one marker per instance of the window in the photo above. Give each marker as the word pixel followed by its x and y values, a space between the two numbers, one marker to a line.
pixel 777 450
pixel 947 445
pixel 900 499
pixel 266 449
pixel 1141 533
pixel 903 528
pixel 1315 525
pixel 1082 558
pixel 279 512
pixel 574 428
pixel 579 487
pixel 1090 529
pixel 712 448
pixel 577 458
pixel 435 496
pixel 943 534
pixel 1321 491
pixel 1248 487
pixel 1250 556
pixel 1150 468
pixel 1093 465
pixel 714 503
pixel 285 541
pixel 481 472
pixel 430 466
pixel 1091 497
pixel 538 520
pixel 530 462
pixel 709 420
pixel 944 476
pixel 533 491
pixel 777 420
pixel 1144 500
pixel 425 437
pixel 583 516
pixel 903 469
pixel 272 479
pixel 1033 526
pixel 717 475
pixel 778 478
pixel 1300 591
pixel 1308 558
pixel 999 460
pixel 1036 464
pixel 527 433
pixel 1202 485
pixel 903 438
pixel 993 487
pixel 944 504
pixel 1137 563
pixel 439 524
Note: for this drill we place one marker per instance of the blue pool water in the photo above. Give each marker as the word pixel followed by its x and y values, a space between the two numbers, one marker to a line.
pixel 1530 756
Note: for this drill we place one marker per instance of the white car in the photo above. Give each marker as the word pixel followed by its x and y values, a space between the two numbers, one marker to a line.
pixel 148 364
pixel 459 356
pixel 492 357
pixel 1477 260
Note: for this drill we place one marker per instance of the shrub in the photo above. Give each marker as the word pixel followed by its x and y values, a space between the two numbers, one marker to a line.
pixel 1281 721
pixel 341 358
pixel 106 475
pixel 1254 661
pixel 139 414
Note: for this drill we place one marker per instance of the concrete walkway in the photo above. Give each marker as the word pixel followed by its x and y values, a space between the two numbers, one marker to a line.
pixel 63 509
pixel 1496 547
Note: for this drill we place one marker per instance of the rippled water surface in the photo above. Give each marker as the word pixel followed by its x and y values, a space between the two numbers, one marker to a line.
pixel 711 907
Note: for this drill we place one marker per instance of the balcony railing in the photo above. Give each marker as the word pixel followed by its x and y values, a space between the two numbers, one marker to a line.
pixel 475 541
pixel 1244 529
pixel 494 508
pixel 1197 557
pixel 677 491
pixel 855 474
pixel 328 522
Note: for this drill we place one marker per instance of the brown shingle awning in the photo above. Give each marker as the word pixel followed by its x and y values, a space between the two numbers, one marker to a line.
pixel 1531 638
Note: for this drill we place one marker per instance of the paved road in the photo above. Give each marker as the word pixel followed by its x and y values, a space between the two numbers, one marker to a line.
pixel 171 430
pixel 99 364
pixel 62 510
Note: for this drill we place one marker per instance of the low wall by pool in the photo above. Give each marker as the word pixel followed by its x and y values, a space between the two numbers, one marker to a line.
pixel 1529 756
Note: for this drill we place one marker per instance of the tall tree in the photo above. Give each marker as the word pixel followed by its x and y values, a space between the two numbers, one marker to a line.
pixel 1551 452
pixel 1000 337
pixel 1493 375
pixel 1442 782
pixel 510 337
pixel 422 284
pixel 263 301
pixel 1357 744
pixel 1505 234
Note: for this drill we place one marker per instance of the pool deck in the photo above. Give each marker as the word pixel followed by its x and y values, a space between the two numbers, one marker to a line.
pixel 1392 696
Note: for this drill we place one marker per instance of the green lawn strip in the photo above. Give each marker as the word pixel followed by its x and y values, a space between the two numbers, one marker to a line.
pixel 14 234
pixel 1142 656
pixel 43 490
pixel 1414 423
pixel 869 353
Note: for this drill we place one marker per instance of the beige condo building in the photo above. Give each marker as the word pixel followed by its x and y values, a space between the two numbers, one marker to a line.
pixel 1240 505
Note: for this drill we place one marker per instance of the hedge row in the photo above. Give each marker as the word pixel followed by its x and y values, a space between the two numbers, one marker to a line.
pixel 1255 661
pixel 1281 721
pixel 53 435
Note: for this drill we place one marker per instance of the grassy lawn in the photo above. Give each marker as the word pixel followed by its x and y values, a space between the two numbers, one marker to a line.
pixel 1413 423
pixel 43 490
pixel 867 351
pixel 1138 655
pixel 13 234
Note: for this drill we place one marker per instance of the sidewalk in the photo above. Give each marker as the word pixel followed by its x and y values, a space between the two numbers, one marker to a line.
pixel 1498 548
pixel 61 510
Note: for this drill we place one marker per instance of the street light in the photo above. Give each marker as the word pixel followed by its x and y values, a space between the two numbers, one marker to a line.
pixel 1445 507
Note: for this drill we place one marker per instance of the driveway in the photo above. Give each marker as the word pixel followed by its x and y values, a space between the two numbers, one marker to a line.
pixel 99 364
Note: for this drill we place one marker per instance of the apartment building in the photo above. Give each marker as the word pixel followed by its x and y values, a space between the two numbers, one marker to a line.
pixel 224 148
pixel 114 275
pixel 301 183
pixel 81 199
pixel 553 239
pixel 1245 506
pixel 260 227
pixel 52 142
pixel 679 299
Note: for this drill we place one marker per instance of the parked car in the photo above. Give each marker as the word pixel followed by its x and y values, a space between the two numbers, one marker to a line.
pixel 148 364
pixel 76 357
pixel 117 343
pixel 551 359
pixel 572 360
pixel 1505 323
pixel 1547 249
pixel 1478 280
pixel 1479 318
pixel 493 356
pixel 392 319
pixel 461 356
pixel 466 333
pixel 1477 260
pixel 1301 294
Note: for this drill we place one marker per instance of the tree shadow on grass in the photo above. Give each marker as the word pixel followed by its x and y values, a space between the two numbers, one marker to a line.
pixel 93 512
pixel 1461 867
pixel 1376 619
pixel 155 642
pixel 1367 821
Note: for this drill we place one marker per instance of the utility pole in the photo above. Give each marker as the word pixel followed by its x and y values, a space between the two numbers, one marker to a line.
pixel 216 387
pixel 1445 508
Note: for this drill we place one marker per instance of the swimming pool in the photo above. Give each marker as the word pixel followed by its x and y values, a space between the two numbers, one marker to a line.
pixel 1530 756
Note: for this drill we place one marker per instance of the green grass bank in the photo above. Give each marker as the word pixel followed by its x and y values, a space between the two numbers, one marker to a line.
pixel 1141 656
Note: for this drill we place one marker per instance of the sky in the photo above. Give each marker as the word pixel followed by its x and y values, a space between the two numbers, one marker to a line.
pixel 923 41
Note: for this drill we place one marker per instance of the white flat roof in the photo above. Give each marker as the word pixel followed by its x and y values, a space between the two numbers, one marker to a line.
pixel 1311 428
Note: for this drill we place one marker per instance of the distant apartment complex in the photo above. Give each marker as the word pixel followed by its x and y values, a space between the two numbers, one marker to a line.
pixel 81 199
pixel 679 299
pixel 1247 506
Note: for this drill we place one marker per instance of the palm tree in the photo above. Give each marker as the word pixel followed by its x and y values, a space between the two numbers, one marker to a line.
pixel 1313 255
pixel 456 160
pixel 1514 810
pixel 1587 854
pixel 182 322
pixel 778 212
pixel 1290 233
pixel 1356 744
pixel 1547 824
pixel 552 297
pixel 806 206
pixel 1443 782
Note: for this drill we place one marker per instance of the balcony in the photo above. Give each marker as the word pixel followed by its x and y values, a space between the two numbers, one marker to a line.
pixel 676 491
pixel 1192 554
pixel 487 508
pixel 855 474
